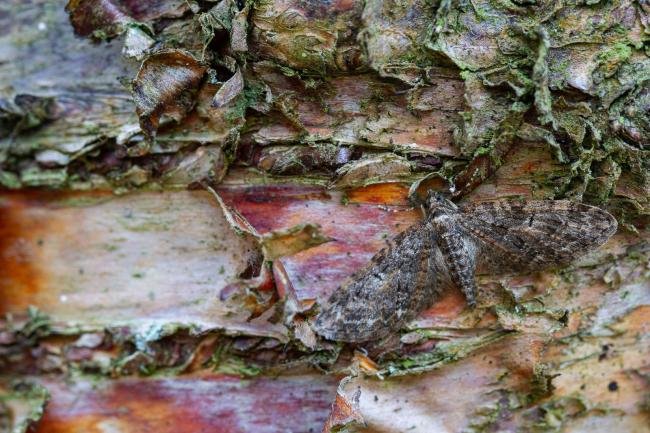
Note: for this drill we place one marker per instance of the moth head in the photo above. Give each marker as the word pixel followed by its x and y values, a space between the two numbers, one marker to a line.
pixel 437 202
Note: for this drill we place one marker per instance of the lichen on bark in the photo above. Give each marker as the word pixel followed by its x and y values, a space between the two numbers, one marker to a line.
pixel 311 121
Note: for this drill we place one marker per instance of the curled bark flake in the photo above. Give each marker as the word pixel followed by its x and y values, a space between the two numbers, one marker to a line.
pixel 255 287
pixel 217 19
pixel 376 169
pixel 136 43
pixel 205 163
pixel 107 18
pixel 345 411
pixel 165 86
pixel 239 31
pixel 236 221
pixel 293 240
pixel 287 160
pixel 229 90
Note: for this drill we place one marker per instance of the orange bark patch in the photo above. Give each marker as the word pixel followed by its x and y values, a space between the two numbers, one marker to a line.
pixel 636 320
pixel 383 193
pixel 25 224
pixel 20 239
pixel 447 308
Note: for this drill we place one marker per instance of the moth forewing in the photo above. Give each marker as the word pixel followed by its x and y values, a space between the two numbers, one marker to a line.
pixel 397 284
pixel 514 236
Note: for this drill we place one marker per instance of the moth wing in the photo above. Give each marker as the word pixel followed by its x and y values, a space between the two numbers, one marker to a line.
pixel 395 286
pixel 526 236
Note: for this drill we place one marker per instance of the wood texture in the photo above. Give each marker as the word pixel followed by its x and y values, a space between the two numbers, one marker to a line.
pixel 133 299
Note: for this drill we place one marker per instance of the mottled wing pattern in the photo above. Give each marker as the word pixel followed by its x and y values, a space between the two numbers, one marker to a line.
pixel 396 285
pixel 459 253
pixel 495 237
pixel 533 235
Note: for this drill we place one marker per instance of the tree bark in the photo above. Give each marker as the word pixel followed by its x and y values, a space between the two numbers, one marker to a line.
pixel 183 183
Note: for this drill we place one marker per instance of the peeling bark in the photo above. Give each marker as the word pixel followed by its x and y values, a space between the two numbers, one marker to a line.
pixel 133 299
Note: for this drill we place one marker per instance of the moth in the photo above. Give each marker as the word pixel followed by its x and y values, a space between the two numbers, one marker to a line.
pixel 451 245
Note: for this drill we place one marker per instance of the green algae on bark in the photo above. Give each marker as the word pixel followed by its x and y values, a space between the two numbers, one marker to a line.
pixel 22 404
